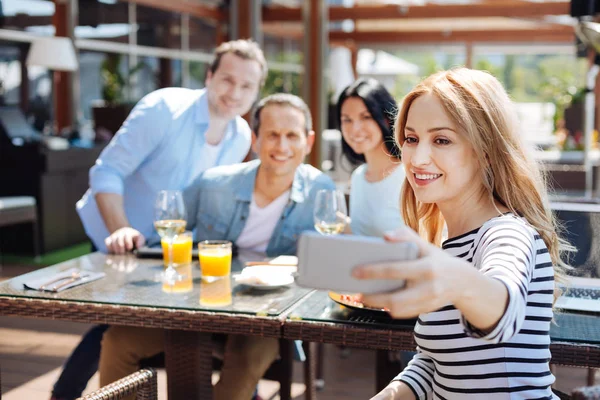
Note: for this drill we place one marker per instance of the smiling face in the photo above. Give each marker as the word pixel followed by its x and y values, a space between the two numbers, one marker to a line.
pixel 359 129
pixel 441 165
pixel 282 142
pixel 233 87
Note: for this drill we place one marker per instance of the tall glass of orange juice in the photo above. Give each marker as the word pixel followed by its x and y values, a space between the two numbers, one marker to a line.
pixel 215 259
pixel 216 293
pixel 182 249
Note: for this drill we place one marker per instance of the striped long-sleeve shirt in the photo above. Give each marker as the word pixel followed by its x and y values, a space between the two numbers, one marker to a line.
pixel 457 361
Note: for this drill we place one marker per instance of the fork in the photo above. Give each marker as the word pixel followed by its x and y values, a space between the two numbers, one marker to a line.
pixel 68 282
pixel 72 276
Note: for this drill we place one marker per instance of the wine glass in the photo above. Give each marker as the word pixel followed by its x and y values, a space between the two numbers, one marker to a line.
pixel 330 214
pixel 169 221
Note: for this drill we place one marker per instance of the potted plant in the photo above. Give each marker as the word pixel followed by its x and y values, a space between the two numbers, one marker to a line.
pixel 110 112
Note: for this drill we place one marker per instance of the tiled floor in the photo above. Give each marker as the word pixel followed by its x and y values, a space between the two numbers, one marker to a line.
pixel 32 352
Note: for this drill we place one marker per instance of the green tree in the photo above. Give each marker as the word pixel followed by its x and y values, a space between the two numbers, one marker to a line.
pixel 483 64
pixel 509 67
pixel 283 81
pixel 431 66
pixel 198 71
pixel 560 79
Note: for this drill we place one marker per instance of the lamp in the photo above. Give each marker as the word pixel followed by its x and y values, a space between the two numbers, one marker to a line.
pixel 56 54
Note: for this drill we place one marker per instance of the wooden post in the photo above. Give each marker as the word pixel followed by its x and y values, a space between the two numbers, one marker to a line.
pixel 63 113
pixel 315 17
pixel 354 58
pixel 469 55
pixel 245 20
pixel 222 35
pixel 24 88
pixel 165 76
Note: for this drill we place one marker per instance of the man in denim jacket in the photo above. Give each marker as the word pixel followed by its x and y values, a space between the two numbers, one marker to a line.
pixel 262 205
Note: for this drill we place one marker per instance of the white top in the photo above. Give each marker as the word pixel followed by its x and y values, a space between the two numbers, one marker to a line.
pixel 375 206
pixel 261 223
pixel 209 155
pixel 457 361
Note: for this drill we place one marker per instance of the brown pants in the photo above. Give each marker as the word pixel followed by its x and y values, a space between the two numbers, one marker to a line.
pixel 246 359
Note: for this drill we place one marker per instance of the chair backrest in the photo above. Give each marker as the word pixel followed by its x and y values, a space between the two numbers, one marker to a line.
pixel 581 228
pixel 143 383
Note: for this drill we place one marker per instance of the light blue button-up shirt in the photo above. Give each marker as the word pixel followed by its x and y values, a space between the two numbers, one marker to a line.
pixel 157 148
pixel 218 204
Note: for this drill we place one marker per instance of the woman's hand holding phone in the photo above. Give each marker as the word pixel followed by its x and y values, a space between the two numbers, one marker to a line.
pixel 433 280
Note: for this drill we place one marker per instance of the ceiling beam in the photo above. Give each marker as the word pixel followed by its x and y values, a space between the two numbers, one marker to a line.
pixel 508 8
pixel 554 35
pixel 179 6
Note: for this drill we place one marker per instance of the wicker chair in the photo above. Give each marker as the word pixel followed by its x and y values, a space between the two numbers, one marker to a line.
pixel 586 393
pixel 19 210
pixel 142 382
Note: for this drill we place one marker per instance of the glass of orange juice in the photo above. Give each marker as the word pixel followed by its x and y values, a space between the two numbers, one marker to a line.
pixel 183 283
pixel 182 249
pixel 215 293
pixel 215 259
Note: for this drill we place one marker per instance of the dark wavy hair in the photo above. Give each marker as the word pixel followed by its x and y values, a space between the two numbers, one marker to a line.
pixel 381 106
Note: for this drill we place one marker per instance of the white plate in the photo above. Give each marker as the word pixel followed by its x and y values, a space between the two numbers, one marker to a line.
pixel 265 277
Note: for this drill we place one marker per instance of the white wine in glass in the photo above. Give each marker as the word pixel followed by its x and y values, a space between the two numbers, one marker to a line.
pixel 326 228
pixel 169 227
pixel 330 214
pixel 169 221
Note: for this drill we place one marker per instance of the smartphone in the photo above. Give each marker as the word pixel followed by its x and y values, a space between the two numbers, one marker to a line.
pixel 326 262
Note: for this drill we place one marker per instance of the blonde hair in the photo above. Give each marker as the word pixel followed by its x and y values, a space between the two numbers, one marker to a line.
pixel 481 109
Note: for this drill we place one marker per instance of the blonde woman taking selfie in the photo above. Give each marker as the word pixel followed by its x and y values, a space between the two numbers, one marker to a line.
pixel 484 300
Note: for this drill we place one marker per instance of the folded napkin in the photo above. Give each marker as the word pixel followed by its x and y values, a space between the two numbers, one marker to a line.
pixel 62 280
pixel 266 275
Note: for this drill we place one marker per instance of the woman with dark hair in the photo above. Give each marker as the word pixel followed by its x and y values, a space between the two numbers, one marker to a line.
pixel 365 114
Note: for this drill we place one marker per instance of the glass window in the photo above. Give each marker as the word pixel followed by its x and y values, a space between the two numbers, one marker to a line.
pixel 280 79
pixel 197 74
pixel 102 80
pixel 146 77
pixel 158 28
pixel 33 16
pixel 10 73
pixel 101 20
pixel 37 105
pixel 176 73
pixel 203 35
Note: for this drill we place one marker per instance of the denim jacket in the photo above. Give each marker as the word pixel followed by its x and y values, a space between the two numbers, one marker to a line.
pixel 218 203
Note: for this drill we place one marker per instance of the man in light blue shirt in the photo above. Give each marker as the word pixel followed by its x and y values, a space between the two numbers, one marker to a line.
pixel 170 137
pixel 262 205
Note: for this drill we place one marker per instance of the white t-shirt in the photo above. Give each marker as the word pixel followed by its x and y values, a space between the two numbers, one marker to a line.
pixel 209 155
pixel 375 206
pixel 261 223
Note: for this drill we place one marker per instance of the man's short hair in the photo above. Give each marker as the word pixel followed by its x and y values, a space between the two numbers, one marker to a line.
pixel 246 49
pixel 282 99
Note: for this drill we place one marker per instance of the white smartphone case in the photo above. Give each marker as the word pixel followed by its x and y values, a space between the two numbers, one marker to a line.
pixel 326 262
